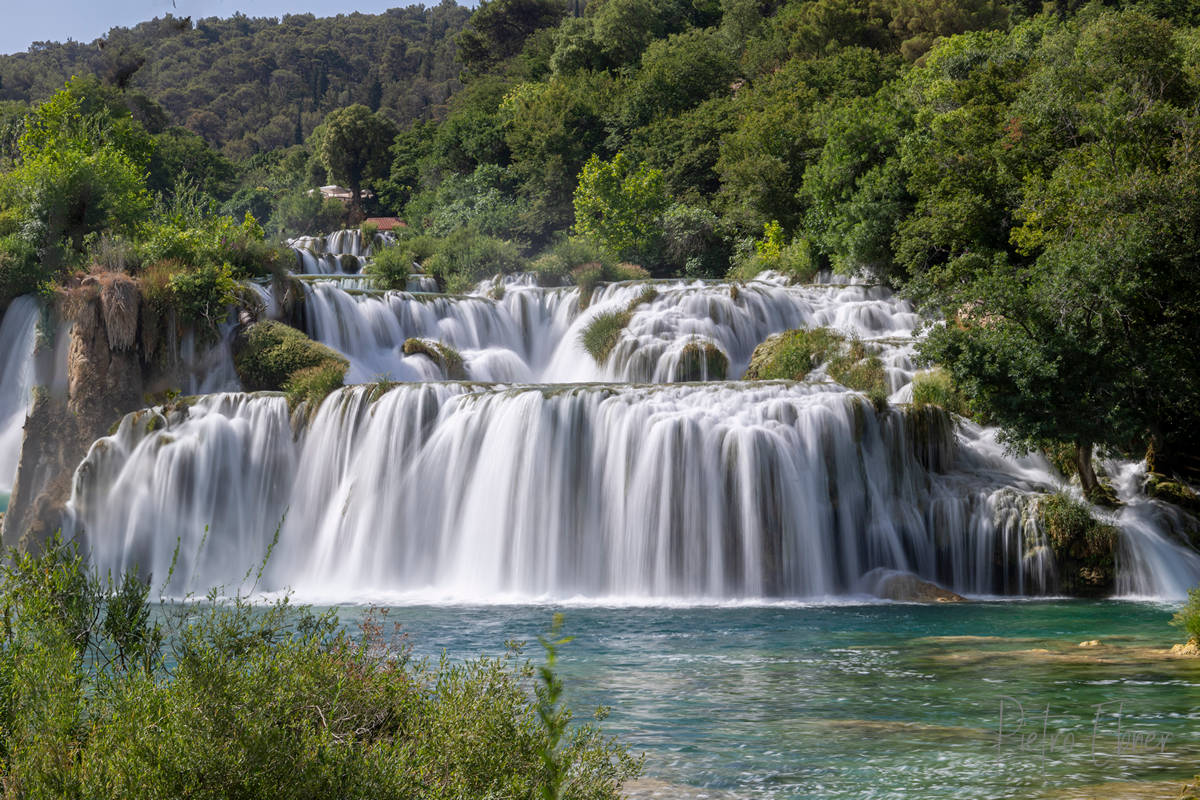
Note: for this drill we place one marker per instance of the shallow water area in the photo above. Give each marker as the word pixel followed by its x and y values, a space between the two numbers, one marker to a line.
pixel 977 700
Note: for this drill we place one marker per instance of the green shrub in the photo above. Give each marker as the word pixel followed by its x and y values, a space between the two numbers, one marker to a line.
pixel 556 264
pixel 795 259
pixel 1188 617
pixel 368 230
pixel 1084 548
pixel 791 355
pixel 203 294
pixel 602 334
pixel 391 266
pixel 271 353
pixel 101 698
pixel 313 384
pixel 935 387
pixel 466 257
pixel 20 270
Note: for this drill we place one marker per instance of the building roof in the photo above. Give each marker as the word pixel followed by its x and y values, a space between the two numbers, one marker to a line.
pixel 386 223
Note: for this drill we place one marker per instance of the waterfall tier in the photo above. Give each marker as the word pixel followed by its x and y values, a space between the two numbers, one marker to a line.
pixel 444 491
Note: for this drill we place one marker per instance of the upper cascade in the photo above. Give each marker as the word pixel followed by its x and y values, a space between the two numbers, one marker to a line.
pixel 344 253
pixel 533 334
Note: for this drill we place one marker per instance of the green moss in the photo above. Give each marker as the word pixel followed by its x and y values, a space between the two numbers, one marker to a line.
pixel 791 355
pixel 935 387
pixel 1084 548
pixel 701 360
pixel 313 384
pixel 648 295
pixel 441 354
pixel 1173 492
pixel 602 334
pixel 270 353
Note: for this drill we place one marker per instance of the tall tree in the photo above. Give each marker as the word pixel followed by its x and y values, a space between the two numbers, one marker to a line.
pixel 353 143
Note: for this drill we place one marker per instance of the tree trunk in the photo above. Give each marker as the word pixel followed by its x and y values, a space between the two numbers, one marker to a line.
pixel 1087 475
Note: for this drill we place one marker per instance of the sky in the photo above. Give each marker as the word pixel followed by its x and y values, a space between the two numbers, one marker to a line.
pixel 28 21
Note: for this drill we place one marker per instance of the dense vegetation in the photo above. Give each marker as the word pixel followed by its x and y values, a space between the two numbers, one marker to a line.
pixel 102 695
pixel 1027 173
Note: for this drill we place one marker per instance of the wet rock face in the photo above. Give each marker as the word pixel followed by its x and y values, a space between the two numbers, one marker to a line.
pixel 104 382
pixel 905 587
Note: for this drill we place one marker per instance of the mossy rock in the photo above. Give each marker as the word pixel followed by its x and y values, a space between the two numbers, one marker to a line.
pixel 701 360
pixel 602 334
pixel 1084 548
pixel 269 353
pixel 1168 491
pixel 936 388
pixel 791 355
pixel 443 355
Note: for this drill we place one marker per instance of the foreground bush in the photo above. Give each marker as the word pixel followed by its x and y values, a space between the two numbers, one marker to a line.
pixel 100 697
pixel 1188 617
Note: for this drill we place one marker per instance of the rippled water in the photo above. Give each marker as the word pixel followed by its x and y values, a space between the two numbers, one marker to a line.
pixel 869 701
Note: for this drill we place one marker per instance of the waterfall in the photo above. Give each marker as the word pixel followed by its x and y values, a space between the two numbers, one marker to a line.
pixel 549 475
pixel 18 332
pixel 533 334
pixel 344 253
pixel 447 491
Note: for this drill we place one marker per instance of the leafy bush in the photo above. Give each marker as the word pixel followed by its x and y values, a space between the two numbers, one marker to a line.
pixel 101 697
pixel 272 353
pixel 772 252
pixel 791 355
pixel 20 270
pixel 935 387
pixel 391 265
pixel 203 294
pixel 1188 617
pixel 466 257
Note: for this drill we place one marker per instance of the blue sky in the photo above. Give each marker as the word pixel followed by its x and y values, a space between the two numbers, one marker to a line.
pixel 28 21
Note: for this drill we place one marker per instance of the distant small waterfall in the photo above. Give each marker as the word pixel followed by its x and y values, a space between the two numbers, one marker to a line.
pixel 18 332
pixel 443 491
pixel 345 253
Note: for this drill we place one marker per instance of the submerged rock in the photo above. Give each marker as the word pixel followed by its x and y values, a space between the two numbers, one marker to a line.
pixel 905 587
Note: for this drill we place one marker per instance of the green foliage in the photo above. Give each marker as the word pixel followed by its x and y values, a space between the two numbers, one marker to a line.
pixel 935 387
pixel 353 145
pixel 619 206
pixel 313 384
pixel 499 28
pixel 601 335
pixel 103 696
pixel 793 259
pixel 272 353
pixel 856 369
pixel 391 265
pixel 306 212
pixel 204 293
pixel 1084 548
pixel 1188 617
pixel 791 355
pixel 20 271
pixel 466 257
pixel 564 259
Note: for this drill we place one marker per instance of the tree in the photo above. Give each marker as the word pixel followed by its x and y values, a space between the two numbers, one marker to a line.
pixel 498 29
pixel 353 145
pixel 619 206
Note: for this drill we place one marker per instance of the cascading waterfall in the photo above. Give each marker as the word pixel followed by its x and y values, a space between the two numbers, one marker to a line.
pixel 533 334
pixel 18 332
pixel 447 491
pixel 344 253
pixel 566 478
